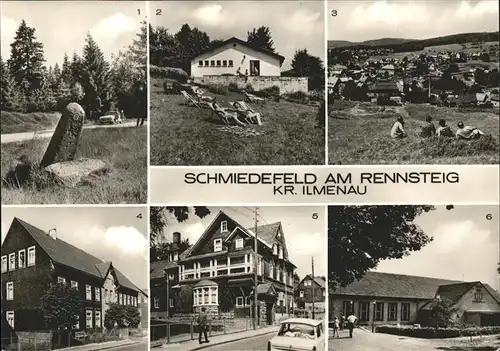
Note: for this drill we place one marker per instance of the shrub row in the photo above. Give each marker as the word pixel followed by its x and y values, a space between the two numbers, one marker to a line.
pixel 437 333
pixel 168 72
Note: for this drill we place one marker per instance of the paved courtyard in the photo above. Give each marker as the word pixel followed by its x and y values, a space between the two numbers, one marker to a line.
pixel 367 341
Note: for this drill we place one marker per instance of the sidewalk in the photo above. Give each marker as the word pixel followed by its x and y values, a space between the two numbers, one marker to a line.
pixel 103 345
pixel 192 345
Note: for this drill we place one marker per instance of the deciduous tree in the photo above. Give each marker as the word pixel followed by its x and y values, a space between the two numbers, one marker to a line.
pixel 359 237
pixel 60 306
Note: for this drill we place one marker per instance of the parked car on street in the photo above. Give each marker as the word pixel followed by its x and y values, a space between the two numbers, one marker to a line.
pixel 299 334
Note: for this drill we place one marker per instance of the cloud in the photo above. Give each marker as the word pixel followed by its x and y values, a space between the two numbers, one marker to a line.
pixel 126 240
pixel 7 31
pixel 110 28
pixel 209 14
pixel 303 22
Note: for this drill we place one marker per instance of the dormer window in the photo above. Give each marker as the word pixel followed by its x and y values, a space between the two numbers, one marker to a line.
pixel 238 243
pixel 275 249
pixel 280 252
pixel 223 226
pixel 217 245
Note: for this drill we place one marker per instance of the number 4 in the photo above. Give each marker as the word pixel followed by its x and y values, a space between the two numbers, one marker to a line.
pixel 139 216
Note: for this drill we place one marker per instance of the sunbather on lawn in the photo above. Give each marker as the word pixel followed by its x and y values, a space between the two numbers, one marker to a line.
pixel 397 130
pixel 467 132
pixel 250 115
pixel 227 113
pixel 444 130
pixel 428 130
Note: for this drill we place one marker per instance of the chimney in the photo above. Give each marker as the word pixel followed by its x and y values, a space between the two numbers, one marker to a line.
pixel 177 238
pixel 53 233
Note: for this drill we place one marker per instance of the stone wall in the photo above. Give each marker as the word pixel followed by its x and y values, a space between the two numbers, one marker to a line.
pixel 286 84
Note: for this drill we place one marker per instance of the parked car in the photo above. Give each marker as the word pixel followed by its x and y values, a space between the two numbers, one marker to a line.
pixel 299 334
pixel 109 117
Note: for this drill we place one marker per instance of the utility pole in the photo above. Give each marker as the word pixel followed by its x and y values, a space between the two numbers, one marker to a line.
pixel 312 286
pixel 168 294
pixel 286 289
pixel 255 275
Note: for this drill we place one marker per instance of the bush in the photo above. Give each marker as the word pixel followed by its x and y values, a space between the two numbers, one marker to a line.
pixel 249 88
pixel 268 92
pixel 218 89
pixel 299 96
pixel 233 87
pixel 437 333
pixel 168 72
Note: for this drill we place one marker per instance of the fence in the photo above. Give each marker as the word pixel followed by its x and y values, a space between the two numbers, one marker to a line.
pixel 28 341
pixel 176 330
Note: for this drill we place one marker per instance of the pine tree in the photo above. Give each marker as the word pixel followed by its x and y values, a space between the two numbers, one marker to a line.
pixel 75 69
pixel 95 79
pixel 11 97
pixel 26 59
pixel 66 70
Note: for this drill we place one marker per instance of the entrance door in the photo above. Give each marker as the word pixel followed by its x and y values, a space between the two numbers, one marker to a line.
pixel 254 67
pixel 269 313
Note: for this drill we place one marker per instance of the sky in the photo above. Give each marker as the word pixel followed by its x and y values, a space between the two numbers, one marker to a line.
pixel 111 233
pixel 465 246
pixel 417 19
pixel 294 24
pixel 304 235
pixel 62 26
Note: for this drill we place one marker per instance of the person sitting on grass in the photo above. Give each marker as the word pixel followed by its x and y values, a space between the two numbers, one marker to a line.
pixel 398 130
pixel 228 113
pixel 444 130
pixel 250 115
pixel 428 130
pixel 467 132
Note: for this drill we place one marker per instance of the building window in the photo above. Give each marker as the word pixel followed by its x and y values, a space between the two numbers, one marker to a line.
pixel 239 243
pixel 21 258
pixel 97 292
pixel 301 293
pixel 97 315
pixel 217 245
pixel 171 302
pixel 200 63
pixel 280 252
pixel 224 63
pixel 478 294
pixel 218 63
pixel 347 308
pixel 88 319
pixel 223 226
pixel 205 296
pixel 10 318
pixel 405 311
pixel 4 264
pixel 88 292
pixel 206 63
pixel 61 280
pixel 156 300
pixel 212 63
pixel 379 311
pixel 10 291
pixel 230 63
pixel 12 261
pixel 77 324
pixel 275 249
pixel 393 311
pixel 74 284
pixel 31 256
pixel 240 301
pixel 364 311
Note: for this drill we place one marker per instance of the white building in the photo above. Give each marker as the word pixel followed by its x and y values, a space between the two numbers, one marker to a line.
pixel 236 57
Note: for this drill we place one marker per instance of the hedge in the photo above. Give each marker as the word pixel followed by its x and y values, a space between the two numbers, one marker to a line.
pixel 168 72
pixel 437 333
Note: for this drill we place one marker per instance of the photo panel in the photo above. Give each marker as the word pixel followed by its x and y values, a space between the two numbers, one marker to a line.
pixel 74 102
pixel 237 83
pixel 413 82
pixel 206 263
pixel 413 277
pixel 75 277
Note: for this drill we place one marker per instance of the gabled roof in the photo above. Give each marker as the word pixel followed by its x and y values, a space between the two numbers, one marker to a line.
pixel 378 284
pixel 384 86
pixel 318 280
pixel 157 268
pixel 454 292
pixel 68 255
pixel 234 40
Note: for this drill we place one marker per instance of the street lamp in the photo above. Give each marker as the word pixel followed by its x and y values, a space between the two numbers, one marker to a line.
pixel 373 316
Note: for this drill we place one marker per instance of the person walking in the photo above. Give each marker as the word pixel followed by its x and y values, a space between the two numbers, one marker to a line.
pixel 202 324
pixel 351 323
pixel 342 320
pixel 336 325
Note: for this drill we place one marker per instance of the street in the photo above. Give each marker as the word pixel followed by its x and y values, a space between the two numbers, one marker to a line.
pixel 17 137
pixel 258 343
pixel 367 341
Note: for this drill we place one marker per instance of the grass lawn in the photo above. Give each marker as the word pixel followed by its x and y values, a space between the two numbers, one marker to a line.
pixel 189 136
pixel 359 133
pixel 125 149
pixel 18 122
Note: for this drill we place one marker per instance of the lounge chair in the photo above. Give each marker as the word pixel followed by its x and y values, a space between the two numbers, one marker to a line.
pixel 190 100
pixel 251 116
pixel 227 117
pixel 252 98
